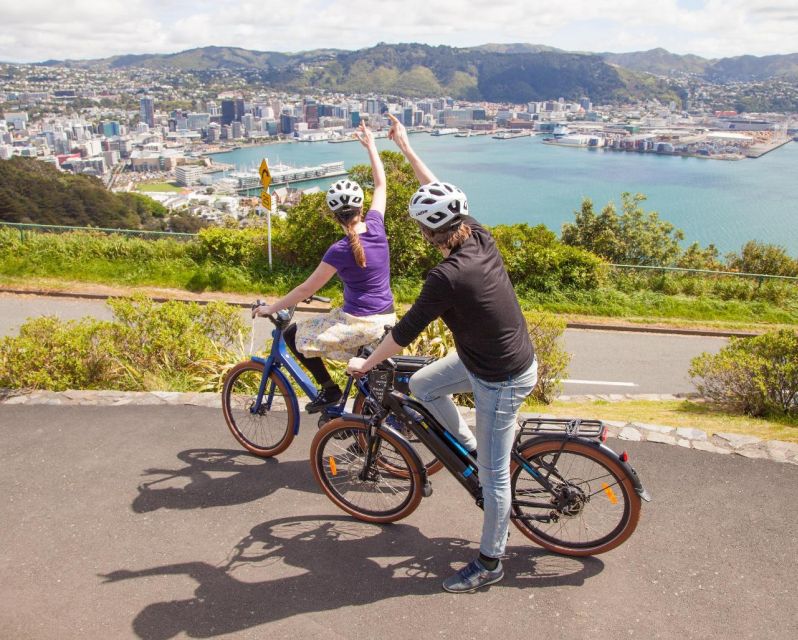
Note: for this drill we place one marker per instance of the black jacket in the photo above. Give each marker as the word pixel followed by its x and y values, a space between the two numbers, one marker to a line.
pixel 471 292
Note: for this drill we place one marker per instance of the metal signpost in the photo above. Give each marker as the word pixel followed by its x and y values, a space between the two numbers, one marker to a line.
pixel 266 203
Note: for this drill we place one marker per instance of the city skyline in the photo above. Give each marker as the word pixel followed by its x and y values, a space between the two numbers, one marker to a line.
pixel 40 30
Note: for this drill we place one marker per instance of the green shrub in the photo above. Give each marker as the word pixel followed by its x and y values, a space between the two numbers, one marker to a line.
pixel 733 288
pixel 633 237
pixel 536 260
pixel 170 346
pixel 56 355
pixel 307 233
pixel 546 331
pixel 758 257
pixel 236 247
pixel 756 376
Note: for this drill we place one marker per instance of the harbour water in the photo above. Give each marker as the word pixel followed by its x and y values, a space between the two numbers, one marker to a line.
pixel 524 180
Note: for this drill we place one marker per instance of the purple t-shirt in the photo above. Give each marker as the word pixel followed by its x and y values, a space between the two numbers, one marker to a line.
pixel 367 290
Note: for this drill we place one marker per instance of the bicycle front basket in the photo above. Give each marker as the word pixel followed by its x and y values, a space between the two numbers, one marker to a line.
pixel 380 382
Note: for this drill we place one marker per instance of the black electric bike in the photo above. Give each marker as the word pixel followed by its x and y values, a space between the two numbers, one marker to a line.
pixel 570 492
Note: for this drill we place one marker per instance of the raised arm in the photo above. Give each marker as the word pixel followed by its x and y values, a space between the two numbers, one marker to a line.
pixel 366 138
pixel 398 134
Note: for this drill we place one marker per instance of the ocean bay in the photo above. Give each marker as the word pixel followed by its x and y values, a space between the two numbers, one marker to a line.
pixel 726 203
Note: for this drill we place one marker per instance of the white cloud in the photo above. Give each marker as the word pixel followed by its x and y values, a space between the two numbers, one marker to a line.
pixel 34 30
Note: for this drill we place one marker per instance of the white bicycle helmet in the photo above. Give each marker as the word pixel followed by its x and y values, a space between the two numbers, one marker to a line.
pixel 345 198
pixel 438 205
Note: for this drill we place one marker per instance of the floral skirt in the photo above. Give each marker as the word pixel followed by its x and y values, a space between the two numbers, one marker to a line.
pixel 338 335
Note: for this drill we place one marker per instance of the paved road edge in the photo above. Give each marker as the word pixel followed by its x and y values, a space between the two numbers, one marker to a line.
pixel 634 328
pixel 689 438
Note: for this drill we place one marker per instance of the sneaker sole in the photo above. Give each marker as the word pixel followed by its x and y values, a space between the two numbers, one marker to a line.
pixel 484 584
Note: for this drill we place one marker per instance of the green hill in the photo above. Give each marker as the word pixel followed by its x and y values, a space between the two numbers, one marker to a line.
pixel 659 62
pixel 496 72
pixel 33 191
pixel 516 72
pixel 752 68
pixel 737 69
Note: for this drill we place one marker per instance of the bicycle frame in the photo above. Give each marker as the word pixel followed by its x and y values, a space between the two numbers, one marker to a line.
pixel 462 465
pixel 281 362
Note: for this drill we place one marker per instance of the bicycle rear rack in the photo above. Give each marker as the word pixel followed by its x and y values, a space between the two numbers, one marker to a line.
pixel 571 427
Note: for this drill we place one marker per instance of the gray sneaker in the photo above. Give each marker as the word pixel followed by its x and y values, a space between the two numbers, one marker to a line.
pixel 472 577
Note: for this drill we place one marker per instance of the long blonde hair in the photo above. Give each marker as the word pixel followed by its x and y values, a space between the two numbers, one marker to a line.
pixel 354 239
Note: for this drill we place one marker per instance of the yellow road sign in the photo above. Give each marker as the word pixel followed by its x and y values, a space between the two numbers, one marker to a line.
pixel 266 200
pixel 265 174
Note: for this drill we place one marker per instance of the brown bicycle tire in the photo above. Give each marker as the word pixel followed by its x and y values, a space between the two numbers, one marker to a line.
pixel 325 434
pixel 288 436
pixel 621 532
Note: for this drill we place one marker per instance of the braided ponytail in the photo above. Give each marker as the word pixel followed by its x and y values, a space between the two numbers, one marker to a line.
pixel 354 242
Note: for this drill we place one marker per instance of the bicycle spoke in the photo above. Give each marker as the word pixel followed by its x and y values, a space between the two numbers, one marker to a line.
pixel 588 506
pixel 372 490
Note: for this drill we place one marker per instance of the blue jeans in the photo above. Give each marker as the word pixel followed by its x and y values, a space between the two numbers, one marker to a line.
pixel 497 405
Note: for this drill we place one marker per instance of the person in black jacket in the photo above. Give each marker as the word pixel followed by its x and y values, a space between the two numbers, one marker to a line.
pixel 471 292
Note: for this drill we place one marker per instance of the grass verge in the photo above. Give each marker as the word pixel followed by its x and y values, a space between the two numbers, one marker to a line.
pixel 674 413
pixel 159 187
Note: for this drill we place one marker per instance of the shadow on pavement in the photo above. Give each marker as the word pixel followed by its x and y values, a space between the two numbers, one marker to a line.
pixel 218 478
pixel 343 563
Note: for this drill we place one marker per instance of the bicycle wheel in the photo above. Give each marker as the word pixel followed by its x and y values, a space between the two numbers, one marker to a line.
pixel 270 430
pixel 594 507
pixel 432 463
pixel 338 460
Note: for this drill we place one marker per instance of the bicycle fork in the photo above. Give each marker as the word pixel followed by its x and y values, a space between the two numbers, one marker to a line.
pixel 370 470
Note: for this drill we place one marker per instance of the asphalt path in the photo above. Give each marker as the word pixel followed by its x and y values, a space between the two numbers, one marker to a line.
pixel 150 522
pixel 602 362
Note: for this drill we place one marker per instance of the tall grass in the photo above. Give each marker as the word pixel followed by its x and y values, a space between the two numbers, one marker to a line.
pixel 215 265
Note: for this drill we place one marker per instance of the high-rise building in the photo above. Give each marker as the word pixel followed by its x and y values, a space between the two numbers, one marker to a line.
pixel 312 115
pixel 147 111
pixel 228 111
pixel 287 123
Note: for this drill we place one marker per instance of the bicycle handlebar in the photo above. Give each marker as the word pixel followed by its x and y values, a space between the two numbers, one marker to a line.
pixel 308 300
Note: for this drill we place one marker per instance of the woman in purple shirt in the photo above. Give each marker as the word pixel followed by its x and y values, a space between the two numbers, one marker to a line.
pixel 361 260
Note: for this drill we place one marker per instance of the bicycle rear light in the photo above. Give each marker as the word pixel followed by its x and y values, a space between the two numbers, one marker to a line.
pixel 624 456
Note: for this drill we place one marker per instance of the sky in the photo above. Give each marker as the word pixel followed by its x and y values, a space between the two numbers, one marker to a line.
pixel 38 30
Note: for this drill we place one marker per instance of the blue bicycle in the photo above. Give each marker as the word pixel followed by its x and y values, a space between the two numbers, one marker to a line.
pixel 259 403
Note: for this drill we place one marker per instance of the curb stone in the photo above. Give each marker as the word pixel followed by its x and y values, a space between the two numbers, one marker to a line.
pixel 722 443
